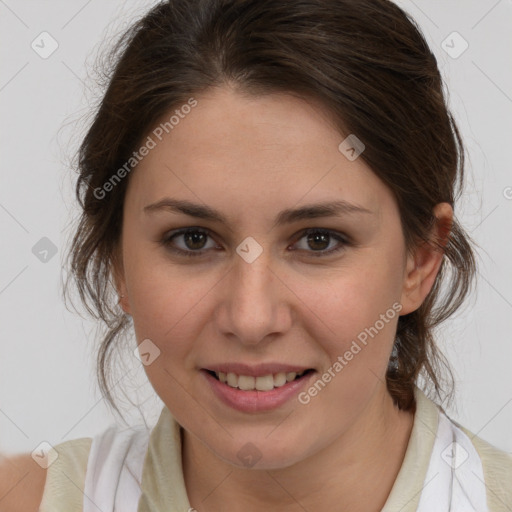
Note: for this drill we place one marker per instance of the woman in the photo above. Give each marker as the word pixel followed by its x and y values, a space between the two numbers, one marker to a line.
pixel 269 187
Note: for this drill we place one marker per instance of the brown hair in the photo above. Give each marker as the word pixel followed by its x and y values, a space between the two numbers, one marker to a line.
pixel 366 61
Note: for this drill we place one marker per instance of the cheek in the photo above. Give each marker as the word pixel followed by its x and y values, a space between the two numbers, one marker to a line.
pixel 169 305
pixel 353 301
pixel 161 293
pixel 167 308
pixel 357 332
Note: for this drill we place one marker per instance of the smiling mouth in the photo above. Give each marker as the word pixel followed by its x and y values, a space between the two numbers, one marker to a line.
pixel 263 383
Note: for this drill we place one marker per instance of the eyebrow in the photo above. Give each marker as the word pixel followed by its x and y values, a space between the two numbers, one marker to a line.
pixel 288 216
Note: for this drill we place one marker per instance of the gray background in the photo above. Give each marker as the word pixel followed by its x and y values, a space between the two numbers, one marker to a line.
pixel 47 371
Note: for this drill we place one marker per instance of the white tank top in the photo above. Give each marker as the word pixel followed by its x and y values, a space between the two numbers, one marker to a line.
pixel 114 470
pixel 454 480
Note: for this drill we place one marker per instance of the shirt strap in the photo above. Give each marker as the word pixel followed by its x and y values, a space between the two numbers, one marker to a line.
pixel 114 470
pixel 454 481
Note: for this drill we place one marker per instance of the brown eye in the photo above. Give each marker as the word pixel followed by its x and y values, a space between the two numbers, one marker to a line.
pixel 319 240
pixel 193 242
pixel 195 239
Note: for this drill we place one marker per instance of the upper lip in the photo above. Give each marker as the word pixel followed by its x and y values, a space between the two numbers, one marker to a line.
pixel 258 370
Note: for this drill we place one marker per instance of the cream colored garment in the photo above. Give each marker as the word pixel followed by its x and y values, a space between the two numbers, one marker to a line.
pixel 163 487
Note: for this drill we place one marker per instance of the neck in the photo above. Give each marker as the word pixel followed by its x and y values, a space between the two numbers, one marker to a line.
pixel 366 458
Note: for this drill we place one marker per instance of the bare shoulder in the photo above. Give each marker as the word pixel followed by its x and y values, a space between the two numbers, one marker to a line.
pixel 21 483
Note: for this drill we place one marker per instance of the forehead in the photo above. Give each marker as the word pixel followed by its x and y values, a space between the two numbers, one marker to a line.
pixel 249 151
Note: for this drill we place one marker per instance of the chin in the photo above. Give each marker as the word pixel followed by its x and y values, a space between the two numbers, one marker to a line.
pixel 247 453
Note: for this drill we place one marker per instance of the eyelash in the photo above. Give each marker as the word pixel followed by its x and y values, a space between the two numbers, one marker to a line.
pixel 167 241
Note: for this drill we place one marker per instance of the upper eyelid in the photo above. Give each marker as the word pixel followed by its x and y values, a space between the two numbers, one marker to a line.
pixel 182 231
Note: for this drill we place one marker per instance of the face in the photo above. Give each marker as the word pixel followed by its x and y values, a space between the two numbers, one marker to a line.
pixel 258 293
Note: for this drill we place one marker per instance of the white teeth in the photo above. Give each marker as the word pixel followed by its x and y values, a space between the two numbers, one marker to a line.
pixel 246 383
pixel 264 383
pixel 279 380
pixel 232 380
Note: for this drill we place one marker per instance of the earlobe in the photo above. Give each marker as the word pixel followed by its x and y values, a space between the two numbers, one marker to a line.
pixel 123 295
pixel 123 302
pixel 424 263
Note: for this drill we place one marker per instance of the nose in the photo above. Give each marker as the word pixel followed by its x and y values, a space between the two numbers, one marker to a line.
pixel 255 306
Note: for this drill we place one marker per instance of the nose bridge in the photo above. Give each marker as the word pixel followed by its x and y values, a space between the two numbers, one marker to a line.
pixel 257 271
pixel 252 300
pixel 252 281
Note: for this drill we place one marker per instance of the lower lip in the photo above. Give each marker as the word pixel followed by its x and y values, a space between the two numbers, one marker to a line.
pixel 256 401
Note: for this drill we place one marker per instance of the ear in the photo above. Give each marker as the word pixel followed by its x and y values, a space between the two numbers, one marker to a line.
pixel 423 265
pixel 117 272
